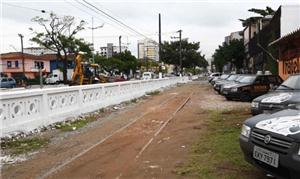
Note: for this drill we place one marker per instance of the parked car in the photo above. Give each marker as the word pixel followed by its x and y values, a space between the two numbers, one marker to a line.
pixel 213 75
pixel 147 75
pixel 57 76
pixel 220 78
pixel 7 82
pixel 272 142
pixel 220 83
pixel 286 95
pixel 251 86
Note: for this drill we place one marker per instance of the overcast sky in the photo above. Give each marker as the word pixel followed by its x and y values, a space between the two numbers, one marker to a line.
pixel 207 21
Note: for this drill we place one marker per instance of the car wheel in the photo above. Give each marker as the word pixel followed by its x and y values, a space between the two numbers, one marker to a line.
pixel 228 98
pixel 245 97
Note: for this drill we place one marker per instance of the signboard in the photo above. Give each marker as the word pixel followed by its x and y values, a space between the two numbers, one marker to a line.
pixel 288 67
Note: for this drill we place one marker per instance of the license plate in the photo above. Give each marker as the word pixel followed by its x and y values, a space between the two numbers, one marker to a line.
pixel 266 156
pixel 225 92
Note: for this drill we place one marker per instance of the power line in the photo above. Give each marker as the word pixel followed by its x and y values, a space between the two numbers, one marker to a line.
pixel 24 7
pixel 113 13
pixel 120 22
pixel 85 11
pixel 98 13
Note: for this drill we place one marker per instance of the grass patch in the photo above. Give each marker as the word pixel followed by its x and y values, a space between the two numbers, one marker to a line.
pixel 153 93
pixel 217 153
pixel 22 146
pixel 72 126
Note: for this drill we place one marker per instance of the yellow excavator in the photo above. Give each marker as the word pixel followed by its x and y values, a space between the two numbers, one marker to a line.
pixel 82 72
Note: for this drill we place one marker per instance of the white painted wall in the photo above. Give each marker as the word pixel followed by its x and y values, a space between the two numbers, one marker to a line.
pixel 290 19
pixel 29 109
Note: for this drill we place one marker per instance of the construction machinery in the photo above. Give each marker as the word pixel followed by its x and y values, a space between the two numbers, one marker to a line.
pixel 86 73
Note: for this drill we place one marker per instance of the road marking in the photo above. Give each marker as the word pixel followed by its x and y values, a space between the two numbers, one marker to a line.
pixel 163 126
pixel 59 167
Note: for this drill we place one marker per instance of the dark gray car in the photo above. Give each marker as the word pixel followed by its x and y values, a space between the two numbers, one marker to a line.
pixel 286 95
pixel 272 142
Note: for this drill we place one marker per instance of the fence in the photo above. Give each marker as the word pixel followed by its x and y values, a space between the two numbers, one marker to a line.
pixel 29 109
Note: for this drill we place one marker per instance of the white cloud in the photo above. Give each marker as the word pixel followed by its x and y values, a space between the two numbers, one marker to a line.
pixel 205 21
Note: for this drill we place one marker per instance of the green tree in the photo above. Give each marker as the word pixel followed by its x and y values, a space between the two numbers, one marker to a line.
pixel 129 61
pixel 110 65
pixel 232 52
pixel 191 57
pixel 58 35
pixel 261 12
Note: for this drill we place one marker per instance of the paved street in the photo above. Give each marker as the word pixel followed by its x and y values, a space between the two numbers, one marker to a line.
pixel 149 139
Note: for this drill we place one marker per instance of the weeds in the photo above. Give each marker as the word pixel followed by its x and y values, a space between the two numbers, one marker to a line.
pixel 22 146
pixel 153 93
pixel 217 153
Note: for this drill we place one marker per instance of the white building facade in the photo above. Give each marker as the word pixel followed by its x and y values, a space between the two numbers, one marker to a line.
pixel 149 49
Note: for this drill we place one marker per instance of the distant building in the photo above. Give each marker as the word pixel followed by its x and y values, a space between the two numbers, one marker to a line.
pixel 149 49
pixel 234 36
pixel 111 50
pixel 38 51
pixel 13 66
pixel 259 32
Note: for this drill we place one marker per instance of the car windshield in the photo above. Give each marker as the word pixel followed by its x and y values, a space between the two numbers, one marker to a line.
pixel 238 79
pixel 247 79
pixel 232 77
pixel 293 82
pixel 224 76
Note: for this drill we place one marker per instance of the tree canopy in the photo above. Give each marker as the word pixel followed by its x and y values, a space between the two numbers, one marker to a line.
pixel 229 53
pixel 58 35
pixel 191 57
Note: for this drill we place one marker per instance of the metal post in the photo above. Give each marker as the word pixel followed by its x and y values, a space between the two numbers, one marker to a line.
pixel 22 52
pixel 93 40
pixel 120 43
pixel 41 77
pixel 159 38
pixel 180 53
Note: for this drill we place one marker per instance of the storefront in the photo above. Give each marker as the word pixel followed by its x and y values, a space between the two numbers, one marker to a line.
pixel 289 54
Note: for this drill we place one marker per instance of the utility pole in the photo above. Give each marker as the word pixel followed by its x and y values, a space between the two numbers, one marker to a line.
pixel 120 37
pixel 93 28
pixel 159 38
pixel 93 39
pixel 180 50
pixel 180 53
pixel 22 52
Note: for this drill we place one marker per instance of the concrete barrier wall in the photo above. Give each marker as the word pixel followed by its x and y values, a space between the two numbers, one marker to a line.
pixel 29 109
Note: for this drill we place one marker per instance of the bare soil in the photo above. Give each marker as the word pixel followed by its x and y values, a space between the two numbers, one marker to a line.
pixel 130 143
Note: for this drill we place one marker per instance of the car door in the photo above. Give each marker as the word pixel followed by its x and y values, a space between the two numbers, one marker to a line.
pixel 11 83
pixel 4 83
pixel 260 86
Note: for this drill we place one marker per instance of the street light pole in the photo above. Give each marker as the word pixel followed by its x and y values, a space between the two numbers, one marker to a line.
pixel 93 28
pixel 22 52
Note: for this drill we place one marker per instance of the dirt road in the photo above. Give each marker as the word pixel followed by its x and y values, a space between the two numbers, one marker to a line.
pixel 149 139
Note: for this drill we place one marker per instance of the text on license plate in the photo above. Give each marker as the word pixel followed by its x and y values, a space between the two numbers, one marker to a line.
pixel 266 156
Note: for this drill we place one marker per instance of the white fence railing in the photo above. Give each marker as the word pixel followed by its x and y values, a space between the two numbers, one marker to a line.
pixel 29 109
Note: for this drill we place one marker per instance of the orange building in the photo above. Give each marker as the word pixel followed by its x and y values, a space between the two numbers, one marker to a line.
pixel 12 64
pixel 289 54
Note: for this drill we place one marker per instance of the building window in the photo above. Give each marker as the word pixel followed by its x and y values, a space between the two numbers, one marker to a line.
pixel 17 64
pixel 9 65
pixel 38 65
